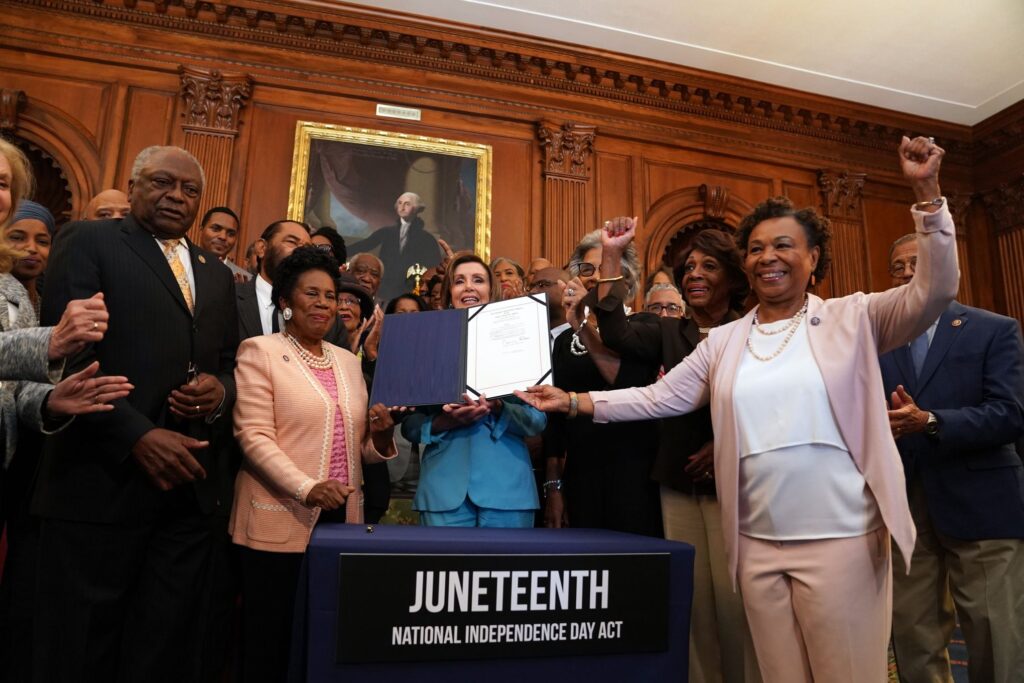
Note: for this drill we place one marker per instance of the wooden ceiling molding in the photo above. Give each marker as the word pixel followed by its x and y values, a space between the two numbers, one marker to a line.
pixel 443 47
pixel 1005 205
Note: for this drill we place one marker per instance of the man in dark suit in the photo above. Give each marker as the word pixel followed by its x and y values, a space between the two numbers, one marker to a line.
pixel 125 497
pixel 957 398
pixel 402 245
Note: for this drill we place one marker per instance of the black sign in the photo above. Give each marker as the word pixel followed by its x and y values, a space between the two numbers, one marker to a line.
pixel 449 607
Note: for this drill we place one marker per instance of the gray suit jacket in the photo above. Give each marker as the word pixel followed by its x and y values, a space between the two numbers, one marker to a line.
pixel 23 347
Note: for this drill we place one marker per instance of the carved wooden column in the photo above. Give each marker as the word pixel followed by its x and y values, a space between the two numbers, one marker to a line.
pixel 1006 207
pixel 841 198
pixel 11 102
pixel 568 197
pixel 212 102
pixel 959 205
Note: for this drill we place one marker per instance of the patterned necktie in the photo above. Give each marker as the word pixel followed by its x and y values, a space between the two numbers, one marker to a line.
pixel 178 268
pixel 918 352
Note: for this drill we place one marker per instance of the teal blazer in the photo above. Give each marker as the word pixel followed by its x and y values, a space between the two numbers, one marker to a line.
pixel 486 461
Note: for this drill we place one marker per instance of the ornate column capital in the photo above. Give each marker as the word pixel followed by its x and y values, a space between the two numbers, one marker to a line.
pixel 842 194
pixel 567 148
pixel 213 99
pixel 1005 205
pixel 11 102
pixel 959 205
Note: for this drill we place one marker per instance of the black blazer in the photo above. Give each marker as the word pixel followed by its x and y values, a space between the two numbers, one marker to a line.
pixel 249 324
pixel 88 472
pixel 973 381
pixel 658 342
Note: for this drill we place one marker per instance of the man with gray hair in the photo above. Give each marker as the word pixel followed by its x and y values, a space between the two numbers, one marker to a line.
pixel 126 497
pixel 401 245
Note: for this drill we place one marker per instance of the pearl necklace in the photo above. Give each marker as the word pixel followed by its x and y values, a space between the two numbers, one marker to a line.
pixel 316 362
pixel 789 329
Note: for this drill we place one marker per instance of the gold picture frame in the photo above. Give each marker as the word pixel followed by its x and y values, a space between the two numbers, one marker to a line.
pixel 350 178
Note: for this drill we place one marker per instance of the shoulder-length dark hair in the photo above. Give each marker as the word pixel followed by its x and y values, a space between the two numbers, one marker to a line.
pixel 446 286
pixel 816 227
pixel 719 245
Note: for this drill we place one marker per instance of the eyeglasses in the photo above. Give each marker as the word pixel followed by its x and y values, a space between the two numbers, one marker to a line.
pixel 582 268
pixel 671 309
pixel 897 268
pixel 344 300
pixel 326 248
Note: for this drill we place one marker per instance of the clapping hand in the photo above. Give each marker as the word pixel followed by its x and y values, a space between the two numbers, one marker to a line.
pixel 84 322
pixel 374 324
pixel 905 417
pixel 83 393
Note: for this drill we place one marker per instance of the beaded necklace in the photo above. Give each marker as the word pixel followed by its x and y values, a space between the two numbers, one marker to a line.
pixel 789 329
pixel 316 362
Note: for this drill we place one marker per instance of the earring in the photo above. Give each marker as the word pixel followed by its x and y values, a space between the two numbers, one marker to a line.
pixel 286 313
pixel 814 280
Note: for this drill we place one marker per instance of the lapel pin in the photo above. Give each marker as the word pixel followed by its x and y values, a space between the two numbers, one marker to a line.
pixel 202 259
pixel 815 320
pixel 957 323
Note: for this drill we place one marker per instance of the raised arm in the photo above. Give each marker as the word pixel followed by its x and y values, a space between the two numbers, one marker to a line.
pixel 899 315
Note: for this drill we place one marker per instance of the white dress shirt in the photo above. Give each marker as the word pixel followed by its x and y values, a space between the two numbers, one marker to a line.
pixel 264 300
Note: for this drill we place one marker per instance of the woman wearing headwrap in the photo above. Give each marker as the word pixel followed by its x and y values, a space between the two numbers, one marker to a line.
pixel 30 232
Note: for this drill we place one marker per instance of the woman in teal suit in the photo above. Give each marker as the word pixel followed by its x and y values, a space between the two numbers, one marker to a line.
pixel 475 469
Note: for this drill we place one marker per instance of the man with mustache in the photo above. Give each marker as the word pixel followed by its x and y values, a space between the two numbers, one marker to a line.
pixel 126 496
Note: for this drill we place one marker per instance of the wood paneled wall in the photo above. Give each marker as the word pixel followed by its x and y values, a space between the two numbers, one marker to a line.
pixel 104 78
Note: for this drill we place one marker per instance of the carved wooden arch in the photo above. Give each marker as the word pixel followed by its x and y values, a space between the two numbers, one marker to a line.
pixel 68 144
pixel 690 206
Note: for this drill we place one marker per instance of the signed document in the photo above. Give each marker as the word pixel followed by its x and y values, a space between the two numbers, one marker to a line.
pixel 508 346
pixel 435 357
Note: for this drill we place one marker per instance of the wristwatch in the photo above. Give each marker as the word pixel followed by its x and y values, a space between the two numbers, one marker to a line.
pixel 552 485
pixel 931 428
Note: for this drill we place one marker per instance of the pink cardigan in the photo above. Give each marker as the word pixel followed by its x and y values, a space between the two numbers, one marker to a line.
pixel 284 422
pixel 846 337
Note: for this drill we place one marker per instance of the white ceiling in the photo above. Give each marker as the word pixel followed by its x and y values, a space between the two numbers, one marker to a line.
pixel 953 60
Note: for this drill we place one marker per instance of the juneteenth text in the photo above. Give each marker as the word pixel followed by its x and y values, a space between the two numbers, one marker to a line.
pixel 516 591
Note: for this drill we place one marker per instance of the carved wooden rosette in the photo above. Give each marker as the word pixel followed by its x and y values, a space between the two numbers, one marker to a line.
pixel 567 151
pixel 959 205
pixel 842 202
pixel 1005 205
pixel 211 104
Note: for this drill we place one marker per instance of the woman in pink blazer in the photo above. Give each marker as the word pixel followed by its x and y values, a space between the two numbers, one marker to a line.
pixel 301 419
pixel 806 469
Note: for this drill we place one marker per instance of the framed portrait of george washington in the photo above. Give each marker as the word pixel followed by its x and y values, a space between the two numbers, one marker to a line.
pixel 392 194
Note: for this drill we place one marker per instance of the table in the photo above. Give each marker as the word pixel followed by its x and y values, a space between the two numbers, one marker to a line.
pixel 315 646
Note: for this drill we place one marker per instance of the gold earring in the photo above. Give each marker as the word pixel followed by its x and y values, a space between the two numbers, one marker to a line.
pixel 814 280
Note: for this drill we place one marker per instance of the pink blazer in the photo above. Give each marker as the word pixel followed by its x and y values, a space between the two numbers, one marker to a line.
pixel 284 422
pixel 846 337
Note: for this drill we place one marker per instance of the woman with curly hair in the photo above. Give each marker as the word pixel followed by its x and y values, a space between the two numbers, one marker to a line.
pixel 808 476
pixel 302 421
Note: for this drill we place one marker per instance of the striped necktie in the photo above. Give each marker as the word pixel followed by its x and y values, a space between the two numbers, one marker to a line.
pixel 178 268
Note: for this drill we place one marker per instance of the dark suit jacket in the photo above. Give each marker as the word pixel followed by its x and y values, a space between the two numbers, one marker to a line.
pixel 420 247
pixel 973 381
pixel 249 324
pixel 88 472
